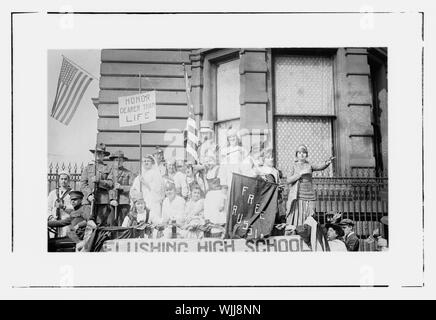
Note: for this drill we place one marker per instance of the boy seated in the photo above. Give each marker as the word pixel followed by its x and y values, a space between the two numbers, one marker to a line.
pixel 76 222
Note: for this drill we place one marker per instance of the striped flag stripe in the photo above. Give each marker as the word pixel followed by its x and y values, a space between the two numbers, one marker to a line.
pixel 190 150
pixel 192 137
pixel 64 90
pixel 53 108
pixel 73 98
pixel 69 90
pixel 61 100
pixel 191 129
pixel 59 97
pixel 72 85
pixel 59 89
pixel 78 101
pixel 191 125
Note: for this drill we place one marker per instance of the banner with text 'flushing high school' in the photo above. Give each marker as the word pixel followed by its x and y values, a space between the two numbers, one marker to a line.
pixel 143 245
pixel 252 207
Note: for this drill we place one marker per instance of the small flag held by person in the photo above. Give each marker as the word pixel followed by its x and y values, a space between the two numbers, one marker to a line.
pixel 72 84
pixel 191 126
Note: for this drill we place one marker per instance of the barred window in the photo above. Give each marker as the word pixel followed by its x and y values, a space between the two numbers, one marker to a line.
pixel 304 108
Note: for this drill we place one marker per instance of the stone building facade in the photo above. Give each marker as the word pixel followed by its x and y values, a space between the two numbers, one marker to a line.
pixel 334 100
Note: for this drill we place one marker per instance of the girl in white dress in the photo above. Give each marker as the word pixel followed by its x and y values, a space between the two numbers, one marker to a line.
pixel 173 212
pixel 194 211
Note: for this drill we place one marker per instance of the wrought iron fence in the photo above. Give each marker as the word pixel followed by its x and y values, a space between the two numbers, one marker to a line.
pixel 357 194
pixel 74 170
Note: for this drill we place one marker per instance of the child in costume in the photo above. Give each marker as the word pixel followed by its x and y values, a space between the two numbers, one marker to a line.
pixel 194 211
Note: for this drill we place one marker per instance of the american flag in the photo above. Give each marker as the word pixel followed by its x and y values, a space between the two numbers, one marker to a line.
pixel 72 84
pixel 191 125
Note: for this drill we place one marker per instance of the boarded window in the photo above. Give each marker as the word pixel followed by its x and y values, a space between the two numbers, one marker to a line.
pixel 228 106
pixel 227 95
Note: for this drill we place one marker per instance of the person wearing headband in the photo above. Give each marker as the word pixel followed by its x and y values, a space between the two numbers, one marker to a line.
pixel 149 185
pixel 301 198
pixel 231 157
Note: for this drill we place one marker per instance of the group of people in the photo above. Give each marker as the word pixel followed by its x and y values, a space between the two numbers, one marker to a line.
pixel 179 199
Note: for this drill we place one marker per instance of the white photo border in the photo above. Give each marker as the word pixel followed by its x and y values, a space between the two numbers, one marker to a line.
pixel 278 275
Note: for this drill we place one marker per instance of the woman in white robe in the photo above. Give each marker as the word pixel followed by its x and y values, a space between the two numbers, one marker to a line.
pixel 151 184
pixel 231 158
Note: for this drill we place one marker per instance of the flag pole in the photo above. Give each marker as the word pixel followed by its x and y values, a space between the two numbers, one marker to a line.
pixel 140 139
pixel 185 152
pixel 72 62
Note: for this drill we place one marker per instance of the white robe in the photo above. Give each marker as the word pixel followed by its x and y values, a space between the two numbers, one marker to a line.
pixel 337 245
pixel 231 160
pixel 152 194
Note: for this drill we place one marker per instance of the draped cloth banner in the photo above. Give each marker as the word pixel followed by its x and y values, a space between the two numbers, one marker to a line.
pixel 253 206
pixel 102 234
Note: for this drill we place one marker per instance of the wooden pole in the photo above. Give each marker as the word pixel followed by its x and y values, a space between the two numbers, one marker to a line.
pixel 140 140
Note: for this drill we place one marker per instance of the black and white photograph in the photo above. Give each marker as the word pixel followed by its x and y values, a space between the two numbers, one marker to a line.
pixel 219 149
pixel 160 153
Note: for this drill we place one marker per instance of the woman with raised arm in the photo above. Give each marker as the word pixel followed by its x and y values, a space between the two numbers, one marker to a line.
pixel 301 197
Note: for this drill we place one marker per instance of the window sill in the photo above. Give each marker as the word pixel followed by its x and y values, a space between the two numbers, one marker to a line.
pixel 330 116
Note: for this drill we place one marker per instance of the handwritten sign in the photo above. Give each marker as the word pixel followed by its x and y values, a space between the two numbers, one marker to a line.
pixel 136 109
pixel 272 244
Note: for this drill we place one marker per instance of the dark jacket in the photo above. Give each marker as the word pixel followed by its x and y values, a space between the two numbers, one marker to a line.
pixel 352 242
pixel 105 184
pixel 125 178
pixel 78 216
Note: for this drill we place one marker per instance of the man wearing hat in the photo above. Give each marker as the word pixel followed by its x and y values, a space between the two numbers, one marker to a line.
pixel 59 199
pixel 95 184
pixel 334 232
pixel 75 222
pixel 123 180
pixel 350 238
